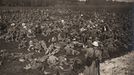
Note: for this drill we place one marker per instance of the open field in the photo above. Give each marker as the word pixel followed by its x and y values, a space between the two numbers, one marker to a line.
pixel 37 41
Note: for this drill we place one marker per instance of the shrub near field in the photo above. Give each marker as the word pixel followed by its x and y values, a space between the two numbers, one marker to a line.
pixel 63 33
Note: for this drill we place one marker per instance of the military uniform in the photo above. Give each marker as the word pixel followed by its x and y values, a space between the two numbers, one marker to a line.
pixel 93 58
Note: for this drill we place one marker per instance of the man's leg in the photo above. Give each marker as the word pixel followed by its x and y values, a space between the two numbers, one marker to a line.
pixel 98 67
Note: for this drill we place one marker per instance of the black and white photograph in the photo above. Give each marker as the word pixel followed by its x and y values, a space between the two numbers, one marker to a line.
pixel 66 37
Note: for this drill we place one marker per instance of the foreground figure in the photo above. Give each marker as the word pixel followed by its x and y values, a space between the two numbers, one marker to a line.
pixel 93 58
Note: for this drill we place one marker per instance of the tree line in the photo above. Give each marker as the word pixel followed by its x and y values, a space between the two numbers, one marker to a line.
pixel 44 2
pixel 33 2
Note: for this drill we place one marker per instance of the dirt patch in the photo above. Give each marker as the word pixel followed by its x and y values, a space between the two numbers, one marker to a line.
pixel 119 66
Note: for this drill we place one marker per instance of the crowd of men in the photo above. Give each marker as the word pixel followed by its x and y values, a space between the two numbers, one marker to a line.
pixel 67 33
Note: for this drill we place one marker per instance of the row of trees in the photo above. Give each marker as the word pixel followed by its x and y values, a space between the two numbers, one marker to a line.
pixel 25 2
pixel 44 2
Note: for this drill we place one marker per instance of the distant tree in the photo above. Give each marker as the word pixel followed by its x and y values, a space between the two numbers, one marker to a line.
pixel 95 1
pixel 36 2
pixel 0 2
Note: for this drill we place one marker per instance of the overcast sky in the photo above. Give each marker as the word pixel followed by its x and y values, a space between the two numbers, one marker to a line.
pixel 126 0
pixel 117 0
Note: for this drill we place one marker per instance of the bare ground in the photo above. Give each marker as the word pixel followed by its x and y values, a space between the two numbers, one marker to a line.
pixel 123 65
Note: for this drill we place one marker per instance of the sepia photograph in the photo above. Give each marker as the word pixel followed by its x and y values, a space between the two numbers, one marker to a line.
pixel 66 37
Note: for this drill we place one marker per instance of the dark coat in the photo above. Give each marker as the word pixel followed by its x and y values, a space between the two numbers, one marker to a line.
pixel 93 58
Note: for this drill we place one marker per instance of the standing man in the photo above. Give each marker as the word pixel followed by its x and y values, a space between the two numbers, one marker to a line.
pixel 93 56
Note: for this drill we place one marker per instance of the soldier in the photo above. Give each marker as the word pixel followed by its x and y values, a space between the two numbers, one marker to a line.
pixel 93 57
pixel 11 31
pixel 43 45
pixel 37 46
pixel 30 33
pixel 22 44
pixel 31 45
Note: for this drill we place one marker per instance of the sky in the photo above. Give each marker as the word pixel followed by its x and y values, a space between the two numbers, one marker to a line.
pixel 125 0
pixel 117 0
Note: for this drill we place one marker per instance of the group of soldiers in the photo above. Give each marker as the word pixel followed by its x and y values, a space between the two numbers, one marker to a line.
pixel 60 35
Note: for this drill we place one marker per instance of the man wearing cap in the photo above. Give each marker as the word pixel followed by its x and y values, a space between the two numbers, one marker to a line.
pixel 93 57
